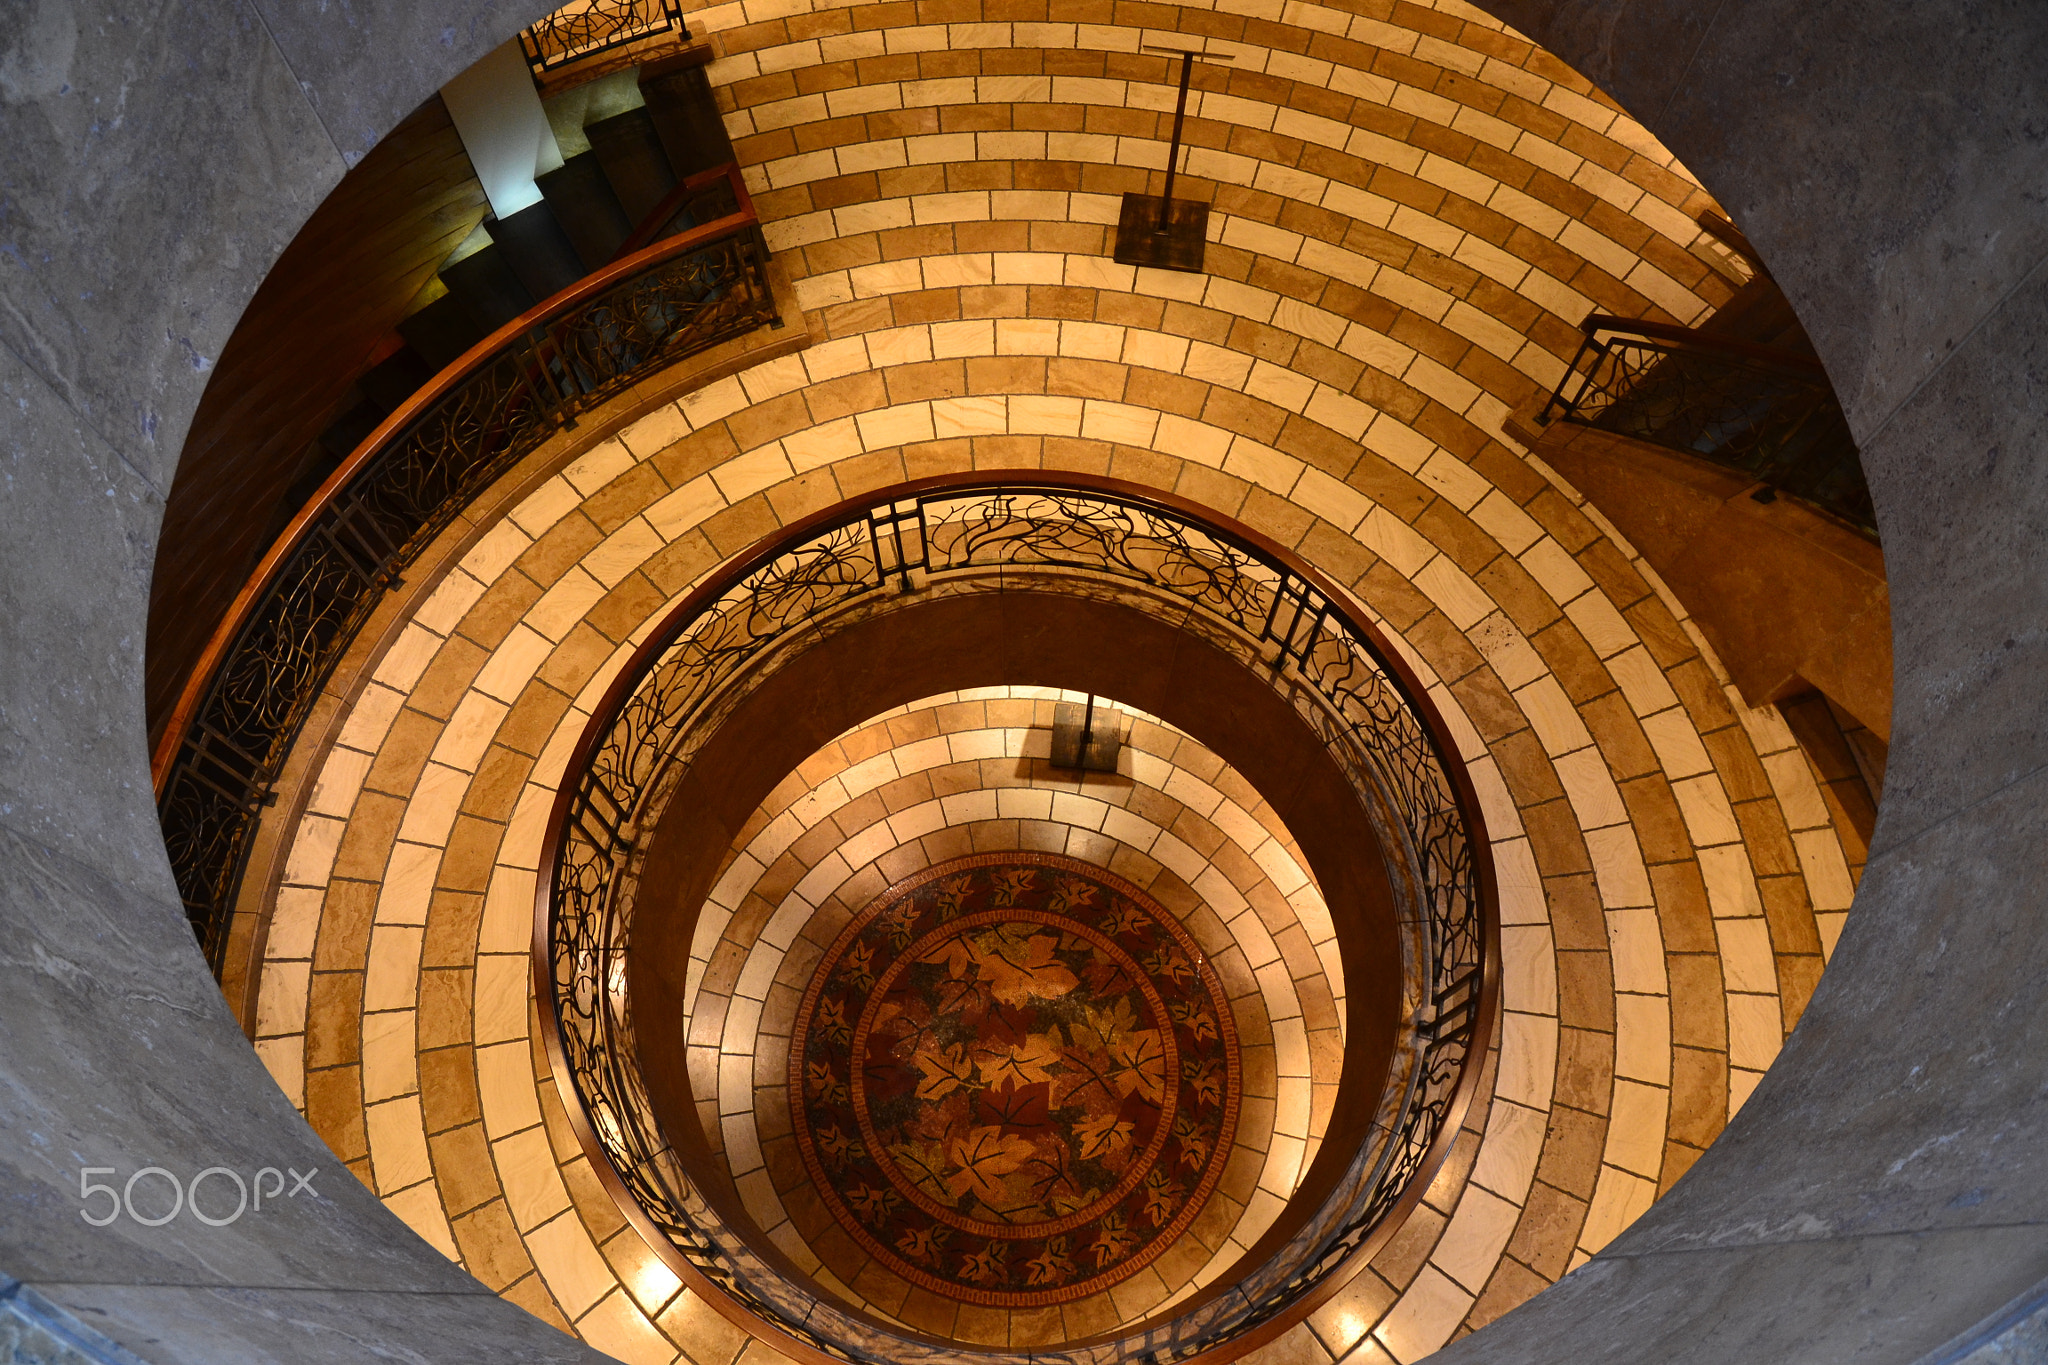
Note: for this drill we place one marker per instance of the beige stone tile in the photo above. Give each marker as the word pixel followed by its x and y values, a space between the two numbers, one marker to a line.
pixel 340 781
pixel 1475 1238
pixel 1590 787
pixel 1642 1038
pixel 980 415
pixel 408 886
pixel 1677 742
pixel 285 1059
pixel 1528 969
pixel 1635 1128
pixel 1119 422
pixel 1507 1157
pixel 1618 1200
pixel 532 1183
pixel 1552 716
pixel 1741 1084
pixel 1424 1317
pixel 1755 1030
pixel 503 986
pixel 505 1087
pixel 398 1143
pixel 392 980
pixel 1555 570
pixel 281 997
pixel 470 729
pixel 420 1209
pixel 495 550
pixel 403 663
pixel 571 1264
pixel 1708 816
pixel 623 551
pixel 390 1059
pixel 431 809
pixel 1618 866
pixel 642 1272
pixel 507 925
pixel 1636 944
pixel 685 508
pixel 619 1329
pixel 1731 882
pixel 1826 869
pixel 894 426
pixel 1393 540
pixel 313 850
pixel 747 474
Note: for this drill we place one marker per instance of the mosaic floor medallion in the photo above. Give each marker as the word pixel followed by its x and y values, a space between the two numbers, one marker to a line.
pixel 1015 1079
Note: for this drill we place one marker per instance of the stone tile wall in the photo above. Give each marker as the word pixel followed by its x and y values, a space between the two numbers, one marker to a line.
pixel 978 760
pixel 1589 1069
pixel 1670 878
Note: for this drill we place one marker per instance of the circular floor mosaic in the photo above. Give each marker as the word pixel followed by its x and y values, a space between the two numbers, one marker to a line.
pixel 1015 1079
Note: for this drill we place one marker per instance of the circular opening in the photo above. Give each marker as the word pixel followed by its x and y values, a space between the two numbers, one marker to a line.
pixel 957 1153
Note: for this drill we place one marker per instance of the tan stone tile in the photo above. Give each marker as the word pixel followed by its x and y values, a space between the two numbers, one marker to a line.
pixel 334 1020
pixel 463 1172
pixel 345 917
pixel 1511 1285
pixel 448 1096
pixel 334 1108
pixel 1022 1327
pixel 366 847
pixel 928 1312
pixel 594 1203
pixel 1548 1230
pixel 444 1008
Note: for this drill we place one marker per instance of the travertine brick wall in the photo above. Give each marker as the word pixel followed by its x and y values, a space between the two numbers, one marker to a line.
pixel 417 1058
pixel 1670 877
pixel 967 773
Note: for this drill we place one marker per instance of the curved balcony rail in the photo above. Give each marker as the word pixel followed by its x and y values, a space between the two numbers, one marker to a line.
pixel 589 27
pixel 264 667
pixel 1762 411
pixel 1239 594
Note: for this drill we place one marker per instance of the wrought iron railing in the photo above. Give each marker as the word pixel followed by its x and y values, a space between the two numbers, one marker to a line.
pixel 228 738
pixel 1765 412
pixel 1240 595
pixel 589 27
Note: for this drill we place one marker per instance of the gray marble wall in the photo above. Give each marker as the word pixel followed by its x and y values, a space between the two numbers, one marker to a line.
pixel 1884 1193
pixel 154 159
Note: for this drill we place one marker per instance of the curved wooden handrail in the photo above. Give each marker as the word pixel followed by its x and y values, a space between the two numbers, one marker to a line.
pixel 451 375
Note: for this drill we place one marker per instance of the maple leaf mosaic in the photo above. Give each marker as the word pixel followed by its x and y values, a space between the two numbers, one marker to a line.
pixel 1015 1079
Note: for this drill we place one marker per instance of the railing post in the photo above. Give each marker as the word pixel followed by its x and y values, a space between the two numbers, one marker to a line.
pixel 1557 398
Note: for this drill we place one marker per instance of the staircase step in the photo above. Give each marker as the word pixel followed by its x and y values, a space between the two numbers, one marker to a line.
pixel 486 286
pixel 346 432
pixel 629 147
pixel 395 379
pixel 442 331
pixel 537 249
pixel 587 208
pixel 685 114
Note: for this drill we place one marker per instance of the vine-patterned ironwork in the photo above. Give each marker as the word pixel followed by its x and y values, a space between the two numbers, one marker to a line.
pixel 1766 413
pixel 1055 538
pixel 589 27
pixel 401 495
